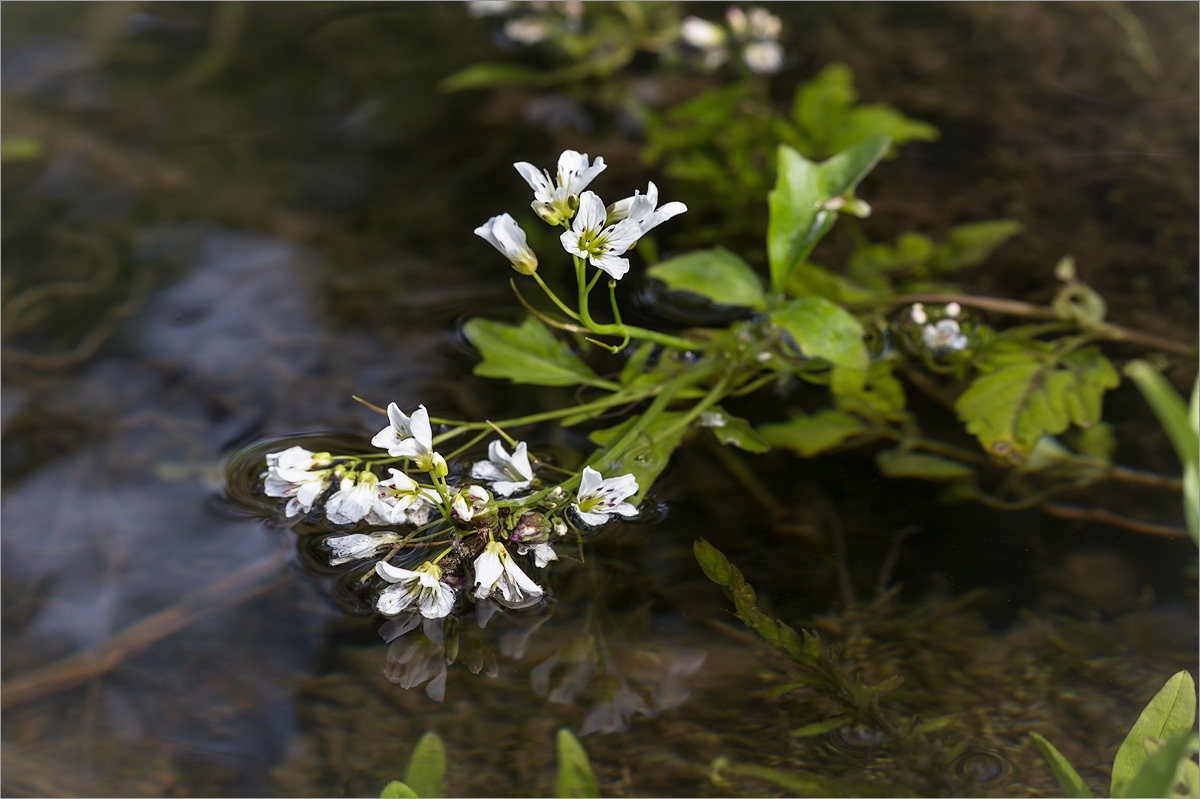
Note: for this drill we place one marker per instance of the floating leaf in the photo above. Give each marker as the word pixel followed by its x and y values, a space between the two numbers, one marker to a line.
pixel 1024 395
pixel 810 435
pixel 822 329
pixel 397 790
pixel 575 777
pixel 799 215
pixel 922 465
pixel 427 766
pixel 717 275
pixel 1068 779
pixel 528 353
pixel 736 431
pixel 1171 712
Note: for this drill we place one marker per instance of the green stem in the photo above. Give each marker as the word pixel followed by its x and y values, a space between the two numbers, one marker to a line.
pixel 585 316
pixel 554 298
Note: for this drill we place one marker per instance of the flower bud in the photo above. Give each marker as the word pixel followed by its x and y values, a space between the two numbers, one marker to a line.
pixel 532 528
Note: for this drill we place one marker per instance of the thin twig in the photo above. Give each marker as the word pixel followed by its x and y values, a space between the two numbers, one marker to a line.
pixel 83 666
pixel 1108 517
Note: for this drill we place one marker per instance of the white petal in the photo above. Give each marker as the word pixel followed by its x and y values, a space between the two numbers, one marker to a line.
pixel 591 214
pixel 520 578
pixel 625 509
pixel 589 481
pixel 488 570
pixel 387 438
pixel 592 517
pixel 422 432
pixel 394 574
pixel 536 179
pixel 399 420
pixel 437 602
pixel 615 267
pixel 506 488
pixel 394 599
pixel 483 470
pixel 570 243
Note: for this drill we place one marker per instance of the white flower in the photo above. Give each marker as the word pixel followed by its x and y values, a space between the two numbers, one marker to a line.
pixel 402 499
pixel 503 233
pixel 759 24
pixel 553 197
pixel 599 498
pixel 526 30
pixel 589 237
pixel 641 208
pixel 358 546
pixel 701 33
pixel 423 588
pixel 469 502
pixel 495 570
pixel 763 58
pixel 487 8
pixel 507 473
pixel 917 313
pixel 409 437
pixel 353 499
pixel 542 553
pixel 290 473
pixel 945 336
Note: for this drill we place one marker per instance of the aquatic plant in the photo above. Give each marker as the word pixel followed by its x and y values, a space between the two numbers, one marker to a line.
pixel 464 534
pixel 426 772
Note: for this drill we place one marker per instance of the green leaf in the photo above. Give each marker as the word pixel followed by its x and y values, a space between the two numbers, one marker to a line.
pixel 1026 394
pixel 575 777
pixel 1171 712
pixel 797 783
pixel 647 453
pixel 717 275
pixel 822 329
pixel 1170 764
pixel 1169 407
pixel 527 354
pixel 809 279
pixel 1070 782
pixel 922 465
pixel 738 432
pixel 397 790
pixel 799 215
pixel 810 435
pixel 713 562
pixel 484 75
pixel 820 727
pixel 427 766
pixel 877 392
pixel 972 243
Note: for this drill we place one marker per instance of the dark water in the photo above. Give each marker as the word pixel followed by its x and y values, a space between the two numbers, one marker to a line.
pixel 241 215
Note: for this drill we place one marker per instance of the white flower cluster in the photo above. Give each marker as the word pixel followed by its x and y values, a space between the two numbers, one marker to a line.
pixel 943 336
pixel 598 234
pixel 430 590
pixel 756 33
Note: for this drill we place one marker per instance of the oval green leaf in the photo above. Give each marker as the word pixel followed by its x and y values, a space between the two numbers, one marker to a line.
pixel 717 275
pixel 822 329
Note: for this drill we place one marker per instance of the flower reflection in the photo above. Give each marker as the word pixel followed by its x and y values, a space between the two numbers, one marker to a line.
pixel 616 687
pixel 413 660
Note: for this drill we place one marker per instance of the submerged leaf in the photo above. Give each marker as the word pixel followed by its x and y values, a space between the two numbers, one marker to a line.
pixel 528 353
pixel 717 275
pixel 1026 394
